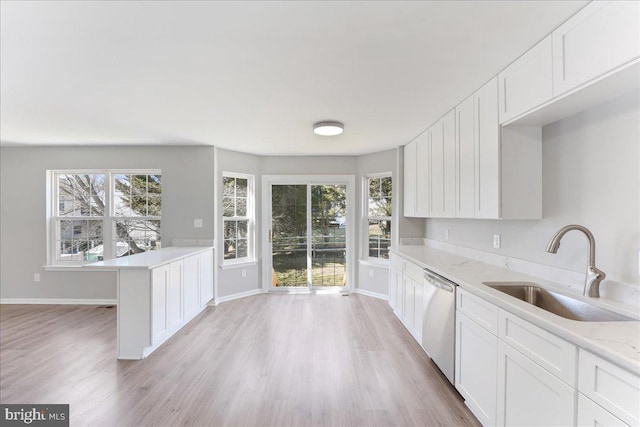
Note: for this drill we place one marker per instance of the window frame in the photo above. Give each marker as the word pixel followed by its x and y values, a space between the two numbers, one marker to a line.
pixel 250 218
pixel 108 218
pixel 366 218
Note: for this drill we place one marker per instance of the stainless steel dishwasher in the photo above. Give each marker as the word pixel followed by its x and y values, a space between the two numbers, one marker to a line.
pixel 438 330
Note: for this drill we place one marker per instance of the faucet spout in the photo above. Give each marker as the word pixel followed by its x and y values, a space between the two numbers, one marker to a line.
pixel 594 275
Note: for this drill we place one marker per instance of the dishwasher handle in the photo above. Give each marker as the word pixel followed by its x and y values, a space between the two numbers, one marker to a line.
pixel 439 281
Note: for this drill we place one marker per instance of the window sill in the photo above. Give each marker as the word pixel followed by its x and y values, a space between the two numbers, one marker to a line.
pixel 68 268
pixel 239 264
pixel 372 262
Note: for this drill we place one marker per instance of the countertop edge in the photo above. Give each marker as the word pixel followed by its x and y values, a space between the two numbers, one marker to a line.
pixel 101 266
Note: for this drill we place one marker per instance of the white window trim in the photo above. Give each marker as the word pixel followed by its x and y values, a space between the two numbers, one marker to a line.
pixel 251 253
pixel 365 218
pixel 107 220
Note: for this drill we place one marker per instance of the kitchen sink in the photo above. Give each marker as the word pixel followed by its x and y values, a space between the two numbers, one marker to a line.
pixel 561 305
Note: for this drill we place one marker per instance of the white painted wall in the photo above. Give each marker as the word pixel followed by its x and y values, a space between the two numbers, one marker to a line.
pixel 187 193
pixel 591 177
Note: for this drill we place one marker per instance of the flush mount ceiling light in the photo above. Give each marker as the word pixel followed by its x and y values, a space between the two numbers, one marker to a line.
pixel 328 128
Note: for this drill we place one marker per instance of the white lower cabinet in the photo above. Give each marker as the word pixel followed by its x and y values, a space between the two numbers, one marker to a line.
pixel 530 395
pixel 159 283
pixel 591 414
pixel 475 370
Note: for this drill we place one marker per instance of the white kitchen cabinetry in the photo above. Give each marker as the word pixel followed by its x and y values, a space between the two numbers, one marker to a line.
pixel 465 159
pixel 610 387
pixel 603 36
pixel 499 170
pixel 406 293
pixel 487 151
pixel 442 167
pixel 205 277
pixel 527 82
pixel 396 296
pixel 530 395
pixel 476 355
pixel 410 178
pixel 423 194
pixel 529 376
pixel 158 293
pixel 475 368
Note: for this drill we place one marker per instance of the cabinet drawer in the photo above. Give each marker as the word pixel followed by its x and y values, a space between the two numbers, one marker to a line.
pixel 590 414
pixel 414 271
pixel 482 312
pixel 611 387
pixel 549 351
pixel 396 261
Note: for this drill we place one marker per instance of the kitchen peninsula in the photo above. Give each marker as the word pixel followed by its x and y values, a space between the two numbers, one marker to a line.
pixel 158 292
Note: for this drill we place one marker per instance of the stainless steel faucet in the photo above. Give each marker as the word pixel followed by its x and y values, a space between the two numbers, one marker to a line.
pixel 594 276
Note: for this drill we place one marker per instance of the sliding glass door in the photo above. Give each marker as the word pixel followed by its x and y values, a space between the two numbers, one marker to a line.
pixel 308 233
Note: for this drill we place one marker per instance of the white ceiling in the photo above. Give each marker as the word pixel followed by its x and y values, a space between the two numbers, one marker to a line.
pixel 252 76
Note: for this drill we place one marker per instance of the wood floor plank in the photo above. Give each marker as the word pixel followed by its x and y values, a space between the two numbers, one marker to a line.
pixel 282 360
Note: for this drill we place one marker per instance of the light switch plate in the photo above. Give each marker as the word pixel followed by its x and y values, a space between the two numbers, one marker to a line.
pixel 496 241
pixel 197 223
pixel 446 234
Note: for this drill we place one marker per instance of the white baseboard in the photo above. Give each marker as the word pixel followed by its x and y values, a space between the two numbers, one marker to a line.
pixel 236 296
pixel 371 294
pixel 65 301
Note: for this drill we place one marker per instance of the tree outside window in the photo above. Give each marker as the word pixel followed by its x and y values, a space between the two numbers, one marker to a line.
pixel 102 215
pixel 237 208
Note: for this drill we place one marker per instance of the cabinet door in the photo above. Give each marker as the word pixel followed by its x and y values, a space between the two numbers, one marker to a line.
pixel 600 38
pixel 191 285
pixel 436 170
pixel 174 294
pixel 465 159
pixel 206 277
pixel 418 309
pixel 159 281
pixel 590 414
pixel 449 161
pixel 422 175
pixel 475 373
pixel 394 276
pixel 527 82
pixel 530 395
pixel 408 309
pixel 487 151
pixel 410 153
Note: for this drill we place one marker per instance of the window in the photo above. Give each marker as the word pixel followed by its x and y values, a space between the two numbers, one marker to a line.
pixel 100 215
pixel 378 219
pixel 237 216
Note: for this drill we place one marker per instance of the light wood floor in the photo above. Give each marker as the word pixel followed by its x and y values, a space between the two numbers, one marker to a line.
pixel 263 360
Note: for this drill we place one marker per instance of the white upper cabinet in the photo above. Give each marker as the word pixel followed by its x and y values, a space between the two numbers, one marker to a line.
pixel 442 167
pixel 487 151
pixel 465 160
pixel 410 178
pixel 423 193
pixel 526 83
pixel 602 37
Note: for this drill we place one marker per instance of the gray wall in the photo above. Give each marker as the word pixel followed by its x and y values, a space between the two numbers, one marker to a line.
pixel 590 177
pixel 187 177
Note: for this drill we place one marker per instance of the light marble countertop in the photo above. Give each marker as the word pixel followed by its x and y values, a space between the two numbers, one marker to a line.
pixel 618 342
pixel 150 259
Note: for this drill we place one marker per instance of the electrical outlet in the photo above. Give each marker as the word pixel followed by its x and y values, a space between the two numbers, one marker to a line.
pixel 197 223
pixel 372 272
pixel 446 234
pixel 36 277
pixel 496 241
pixel 244 272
